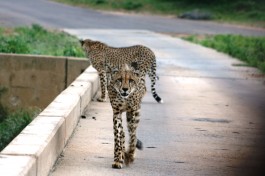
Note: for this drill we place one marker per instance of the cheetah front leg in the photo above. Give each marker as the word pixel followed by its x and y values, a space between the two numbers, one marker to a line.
pixel 103 86
pixel 119 141
pixel 133 119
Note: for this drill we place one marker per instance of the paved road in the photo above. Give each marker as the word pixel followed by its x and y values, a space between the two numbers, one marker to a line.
pixel 212 121
pixel 55 15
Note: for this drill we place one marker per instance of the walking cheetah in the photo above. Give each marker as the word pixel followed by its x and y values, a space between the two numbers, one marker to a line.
pixel 101 54
pixel 126 90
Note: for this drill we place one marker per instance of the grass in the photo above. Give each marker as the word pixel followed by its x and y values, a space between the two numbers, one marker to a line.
pixel 39 41
pixel 3 111
pixel 30 40
pixel 12 123
pixel 248 49
pixel 250 12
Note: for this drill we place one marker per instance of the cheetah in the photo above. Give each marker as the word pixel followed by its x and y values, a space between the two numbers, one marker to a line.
pixel 101 54
pixel 126 90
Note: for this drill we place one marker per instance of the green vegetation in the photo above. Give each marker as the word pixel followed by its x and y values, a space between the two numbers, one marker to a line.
pixel 30 40
pixel 11 123
pixel 3 111
pixel 248 49
pixel 248 12
pixel 37 40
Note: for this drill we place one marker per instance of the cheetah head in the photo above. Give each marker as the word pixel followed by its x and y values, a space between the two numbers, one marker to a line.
pixel 90 45
pixel 125 81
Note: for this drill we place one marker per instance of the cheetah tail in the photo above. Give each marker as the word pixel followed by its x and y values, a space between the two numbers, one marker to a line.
pixel 139 145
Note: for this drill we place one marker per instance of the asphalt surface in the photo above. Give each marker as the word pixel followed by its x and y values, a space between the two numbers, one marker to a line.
pixel 212 121
pixel 56 15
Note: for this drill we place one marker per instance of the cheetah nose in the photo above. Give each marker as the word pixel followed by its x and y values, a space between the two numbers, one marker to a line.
pixel 125 89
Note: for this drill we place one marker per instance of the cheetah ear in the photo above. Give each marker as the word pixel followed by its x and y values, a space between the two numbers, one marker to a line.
pixel 134 65
pixel 135 68
pixel 81 42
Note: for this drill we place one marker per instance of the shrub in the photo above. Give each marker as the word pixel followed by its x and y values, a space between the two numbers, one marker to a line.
pixel 11 123
pixel 3 111
pixel 131 5
pixel 12 126
pixel 13 44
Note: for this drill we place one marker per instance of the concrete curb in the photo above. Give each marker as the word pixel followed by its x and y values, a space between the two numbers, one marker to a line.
pixel 35 150
pixel 23 76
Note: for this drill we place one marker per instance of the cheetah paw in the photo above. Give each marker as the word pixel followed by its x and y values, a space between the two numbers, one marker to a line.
pixel 117 165
pixel 101 99
pixel 129 158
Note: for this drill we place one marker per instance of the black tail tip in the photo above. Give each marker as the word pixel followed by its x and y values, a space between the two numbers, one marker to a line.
pixel 159 100
pixel 139 145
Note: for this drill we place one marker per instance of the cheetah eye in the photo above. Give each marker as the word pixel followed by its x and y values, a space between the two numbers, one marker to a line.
pixel 131 81
pixel 137 73
pixel 119 80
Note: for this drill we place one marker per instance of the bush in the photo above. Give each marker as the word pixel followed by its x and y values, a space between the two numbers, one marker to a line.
pixel 99 1
pixel 3 111
pixel 131 5
pixel 13 124
pixel 13 44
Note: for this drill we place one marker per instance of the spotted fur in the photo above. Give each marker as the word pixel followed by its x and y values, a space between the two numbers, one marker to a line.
pixel 101 55
pixel 126 90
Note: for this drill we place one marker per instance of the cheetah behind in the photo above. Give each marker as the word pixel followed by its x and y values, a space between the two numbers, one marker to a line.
pixel 102 55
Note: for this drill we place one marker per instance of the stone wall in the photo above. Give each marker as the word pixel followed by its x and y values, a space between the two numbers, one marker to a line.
pixel 34 81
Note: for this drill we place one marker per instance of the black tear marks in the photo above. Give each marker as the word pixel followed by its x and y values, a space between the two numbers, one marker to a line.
pixel 151 147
